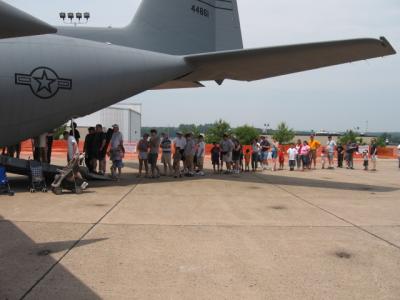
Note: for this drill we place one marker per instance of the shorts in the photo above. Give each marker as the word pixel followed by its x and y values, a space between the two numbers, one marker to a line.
pixel 118 164
pixel 227 157
pixel 215 159
pixel 330 155
pixel 166 158
pixel 313 154
pixel 305 160
pixel 264 155
pixel 374 158
pixel 153 157
pixel 100 155
pixel 274 154
pixel 143 155
pixel 235 156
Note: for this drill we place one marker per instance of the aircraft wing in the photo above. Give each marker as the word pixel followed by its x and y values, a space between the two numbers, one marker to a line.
pixel 255 64
pixel 16 23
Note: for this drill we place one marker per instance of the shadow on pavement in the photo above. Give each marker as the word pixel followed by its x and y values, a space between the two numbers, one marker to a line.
pixel 23 262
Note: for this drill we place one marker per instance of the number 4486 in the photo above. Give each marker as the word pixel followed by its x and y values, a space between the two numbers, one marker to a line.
pixel 200 11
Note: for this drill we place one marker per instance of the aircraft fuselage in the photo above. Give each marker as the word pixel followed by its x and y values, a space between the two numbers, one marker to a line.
pixel 46 80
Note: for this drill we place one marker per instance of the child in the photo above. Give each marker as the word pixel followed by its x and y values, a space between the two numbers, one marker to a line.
pixel 323 157
pixel 281 159
pixel 215 156
pixel 116 157
pixel 292 153
pixel 366 160
pixel 247 159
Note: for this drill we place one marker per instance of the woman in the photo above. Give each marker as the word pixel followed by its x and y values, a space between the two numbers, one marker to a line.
pixel 374 154
pixel 274 153
pixel 305 155
pixel 237 147
pixel 143 150
pixel 299 145
pixel 255 147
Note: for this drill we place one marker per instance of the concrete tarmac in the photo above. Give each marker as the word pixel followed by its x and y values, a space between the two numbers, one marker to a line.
pixel 324 234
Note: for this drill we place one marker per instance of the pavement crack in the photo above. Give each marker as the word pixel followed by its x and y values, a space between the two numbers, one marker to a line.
pixel 78 241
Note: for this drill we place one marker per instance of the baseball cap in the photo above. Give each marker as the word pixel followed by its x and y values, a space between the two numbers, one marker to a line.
pixel 115 126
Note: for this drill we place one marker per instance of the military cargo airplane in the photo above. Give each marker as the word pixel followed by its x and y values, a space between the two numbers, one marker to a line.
pixel 49 75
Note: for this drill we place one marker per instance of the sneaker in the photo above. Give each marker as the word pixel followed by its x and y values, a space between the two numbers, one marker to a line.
pixel 84 185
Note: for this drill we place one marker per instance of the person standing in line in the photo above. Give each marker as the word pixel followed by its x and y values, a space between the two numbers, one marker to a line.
pixel 50 140
pixel 215 157
pixel 265 146
pixel 100 150
pixel 323 157
pixel 166 157
pixel 374 154
pixel 292 155
pixel 366 160
pixel 73 149
pixel 75 133
pixel 88 149
pixel 247 160
pixel 255 147
pixel 330 147
pixel 43 147
pixel 274 153
pixel 350 149
pixel 143 151
pixel 226 150
pixel 314 145
pixel 340 155
pixel 189 152
pixel 153 154
pixel 237 147
pixel 177 160
pixel 180 142
pixel 305 155
pixel 298 155
pixel 200 154
pixel 281 157
pixel 117 152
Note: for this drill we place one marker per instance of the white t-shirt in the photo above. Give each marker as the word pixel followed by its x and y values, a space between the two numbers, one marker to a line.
pixel 201 149
pixel 71 143
pixel 292 152
pixel 116 140
pixel 180 143
pixel 331 146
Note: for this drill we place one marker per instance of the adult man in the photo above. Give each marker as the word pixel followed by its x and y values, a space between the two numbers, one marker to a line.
pixel 265 146
pixel 88 148
pixel 75 133
pixel 189 152
pixel 43 147
pixel 180 142
pixel 166 153
pixel 350 149
pixel 99 150
pixel 374 154
pixel 153 154
pixel 200 153
pixel 330 147
pixel 117 139
pixel 314 145
pixel 340 154
pixel 72 146
pixel 226 150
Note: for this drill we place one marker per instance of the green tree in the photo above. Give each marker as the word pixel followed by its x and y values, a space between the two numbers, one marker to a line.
pixel 216 132
pixel 349 136
pixel 283 134
pixel 381 141
pixel 246 134
pixel 189 128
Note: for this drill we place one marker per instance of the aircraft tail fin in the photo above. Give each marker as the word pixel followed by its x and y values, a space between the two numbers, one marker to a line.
pixel 184 27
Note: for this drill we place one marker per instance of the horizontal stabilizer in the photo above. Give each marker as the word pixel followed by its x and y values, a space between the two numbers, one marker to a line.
pixel 255 64
pixel 16 23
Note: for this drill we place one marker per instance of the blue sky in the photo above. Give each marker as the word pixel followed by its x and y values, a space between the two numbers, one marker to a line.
pixel 335 98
